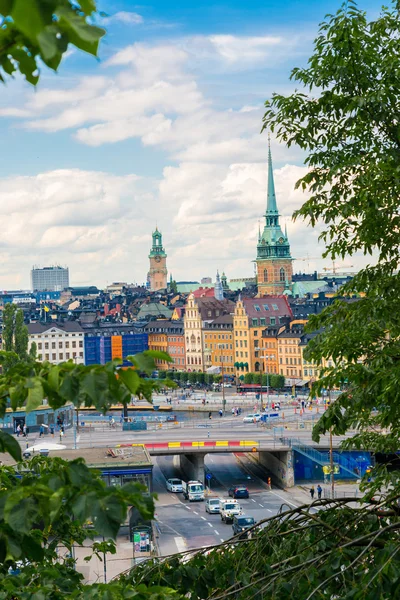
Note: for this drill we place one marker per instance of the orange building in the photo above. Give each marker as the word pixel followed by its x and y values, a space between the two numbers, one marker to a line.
pixel 167 335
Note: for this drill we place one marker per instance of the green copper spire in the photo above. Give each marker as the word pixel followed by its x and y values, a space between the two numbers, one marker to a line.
pixel 272 208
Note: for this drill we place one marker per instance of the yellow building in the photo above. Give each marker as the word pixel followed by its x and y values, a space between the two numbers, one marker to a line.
pixel 256 322
pixel 218 344
pixel 290 354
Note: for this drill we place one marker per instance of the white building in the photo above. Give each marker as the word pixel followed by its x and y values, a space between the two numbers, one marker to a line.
pixel 58 342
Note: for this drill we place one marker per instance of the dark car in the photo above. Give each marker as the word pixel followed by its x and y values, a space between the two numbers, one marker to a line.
pixel 241 523
pixel 238 491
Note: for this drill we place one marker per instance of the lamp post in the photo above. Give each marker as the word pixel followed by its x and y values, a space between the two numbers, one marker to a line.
pixel 221 347
pixel 266 357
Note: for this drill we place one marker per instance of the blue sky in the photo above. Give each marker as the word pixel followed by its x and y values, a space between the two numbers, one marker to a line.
pixel 163 128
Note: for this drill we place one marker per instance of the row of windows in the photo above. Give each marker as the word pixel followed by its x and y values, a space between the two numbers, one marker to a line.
pixel 262 322
pixel 243 343
pixel 290 350
pixel 241 333
pixel 282 275
pixel 176 350
pixel 219 359
pixel 242 354
pixel 45 345
pixel 192 360
pixel 53 335
pixel 218 346
pixel 291 361
pixel 60 356
pixel 265 307
pixel 221 336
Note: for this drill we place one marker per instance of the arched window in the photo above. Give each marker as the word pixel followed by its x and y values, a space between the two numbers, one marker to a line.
pixel 282 275
pixel 195 360
pixel 198 340
pixel 193 338
pixel 265 275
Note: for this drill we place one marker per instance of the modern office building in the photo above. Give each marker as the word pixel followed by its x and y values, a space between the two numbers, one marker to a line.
pixel 49 279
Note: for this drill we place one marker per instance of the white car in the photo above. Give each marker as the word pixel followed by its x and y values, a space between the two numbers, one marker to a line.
pixel 174 485
pixel 251 418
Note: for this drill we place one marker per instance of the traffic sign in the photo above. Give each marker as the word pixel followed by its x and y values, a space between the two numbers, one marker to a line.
pixel 208 476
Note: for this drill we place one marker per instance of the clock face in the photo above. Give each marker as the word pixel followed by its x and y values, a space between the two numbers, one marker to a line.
pixel 281 240
pixel 157 258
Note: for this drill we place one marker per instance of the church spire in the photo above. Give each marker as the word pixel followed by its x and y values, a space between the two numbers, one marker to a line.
pixel 272 208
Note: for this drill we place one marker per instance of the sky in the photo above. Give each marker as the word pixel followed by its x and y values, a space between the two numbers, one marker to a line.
pixel 163 129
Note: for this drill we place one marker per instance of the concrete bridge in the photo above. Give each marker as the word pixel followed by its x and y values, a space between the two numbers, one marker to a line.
pixel 189 456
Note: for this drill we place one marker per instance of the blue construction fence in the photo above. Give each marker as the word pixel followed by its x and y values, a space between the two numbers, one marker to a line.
pixel 305 469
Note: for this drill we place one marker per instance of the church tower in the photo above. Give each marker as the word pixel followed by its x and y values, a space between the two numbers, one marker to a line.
pixel 274 262
pixel 157 275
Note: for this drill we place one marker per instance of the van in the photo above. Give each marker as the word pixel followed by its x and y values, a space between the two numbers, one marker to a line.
pixel 212 505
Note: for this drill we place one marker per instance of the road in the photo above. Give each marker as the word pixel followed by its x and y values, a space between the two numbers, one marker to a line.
pixel 184 525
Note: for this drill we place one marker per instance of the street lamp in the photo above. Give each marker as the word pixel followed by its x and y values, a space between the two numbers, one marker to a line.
pixel 221 347
pixel 266 357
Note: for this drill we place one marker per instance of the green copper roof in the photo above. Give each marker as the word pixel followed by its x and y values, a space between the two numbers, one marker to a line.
pixel 272 208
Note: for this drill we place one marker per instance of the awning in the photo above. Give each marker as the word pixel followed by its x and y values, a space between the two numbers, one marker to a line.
pixel 214 370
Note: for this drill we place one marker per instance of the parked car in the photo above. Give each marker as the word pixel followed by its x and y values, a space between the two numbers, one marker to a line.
pixel 251 418
pixel 238 491
pixel 241 523
pixel 174 485
pixel 212 505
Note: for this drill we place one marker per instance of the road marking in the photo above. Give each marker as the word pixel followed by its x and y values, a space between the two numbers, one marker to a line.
pixel 204 519
pixel 262 505
pixel 210 524
pixel 188 507
pixel 252 500
pixel 215 531
pixel 269 510
pixel 284 499
pixel 180 544
pixel 195 513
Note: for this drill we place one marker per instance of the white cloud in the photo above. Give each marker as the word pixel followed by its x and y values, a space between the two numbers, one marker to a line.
pixel 209 198
pixel 129 18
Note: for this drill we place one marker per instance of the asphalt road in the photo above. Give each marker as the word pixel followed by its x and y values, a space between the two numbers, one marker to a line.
pixel 185 525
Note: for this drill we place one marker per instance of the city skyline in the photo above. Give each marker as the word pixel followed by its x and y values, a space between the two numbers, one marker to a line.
pixel 163 129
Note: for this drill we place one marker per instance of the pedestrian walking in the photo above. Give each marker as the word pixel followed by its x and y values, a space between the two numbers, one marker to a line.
pixel 210 415
pixel 319 491
pixel 18 429
pixel 25 430
pixel 220 412
pixel 52 430
pixel 41 431
pixel 312 492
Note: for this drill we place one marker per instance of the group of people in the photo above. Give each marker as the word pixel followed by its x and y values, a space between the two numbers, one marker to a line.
pixel 319 492
pixel 236 411
pixel 23 430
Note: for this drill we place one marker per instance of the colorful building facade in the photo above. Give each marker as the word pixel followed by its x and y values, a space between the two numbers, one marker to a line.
pixel 167 335
pixel 107 341
pixel 218 344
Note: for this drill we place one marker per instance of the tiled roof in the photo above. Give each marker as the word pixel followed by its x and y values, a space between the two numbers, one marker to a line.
pixel 211 308
pixel 269 306
pixel 165 326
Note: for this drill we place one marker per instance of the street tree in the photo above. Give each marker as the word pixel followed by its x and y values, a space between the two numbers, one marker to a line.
pixel 39 32
pixel 15 336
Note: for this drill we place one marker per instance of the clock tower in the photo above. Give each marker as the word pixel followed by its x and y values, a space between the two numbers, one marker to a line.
pixel 157 275
pixel 274 262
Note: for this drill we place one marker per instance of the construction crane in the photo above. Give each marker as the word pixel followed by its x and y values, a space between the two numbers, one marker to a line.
pixel 335 269
pixel 308 258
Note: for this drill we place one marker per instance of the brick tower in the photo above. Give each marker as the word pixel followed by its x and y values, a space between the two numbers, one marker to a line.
pixel 274 262
pixel 157 275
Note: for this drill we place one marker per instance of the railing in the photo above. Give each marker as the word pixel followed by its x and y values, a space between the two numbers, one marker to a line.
pixel 345 463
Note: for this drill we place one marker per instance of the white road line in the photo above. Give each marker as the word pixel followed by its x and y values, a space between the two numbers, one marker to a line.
pixel 284 499
pixel 195 513
pixel 252 500
pixel 210 524
pixel 180 544
pixel 215 531
pixel 269 510
pixel 204 519
pixel 188 507
pixel 262 505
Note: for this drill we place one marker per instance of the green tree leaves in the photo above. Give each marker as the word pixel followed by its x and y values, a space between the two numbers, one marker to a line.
pixel 41 30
